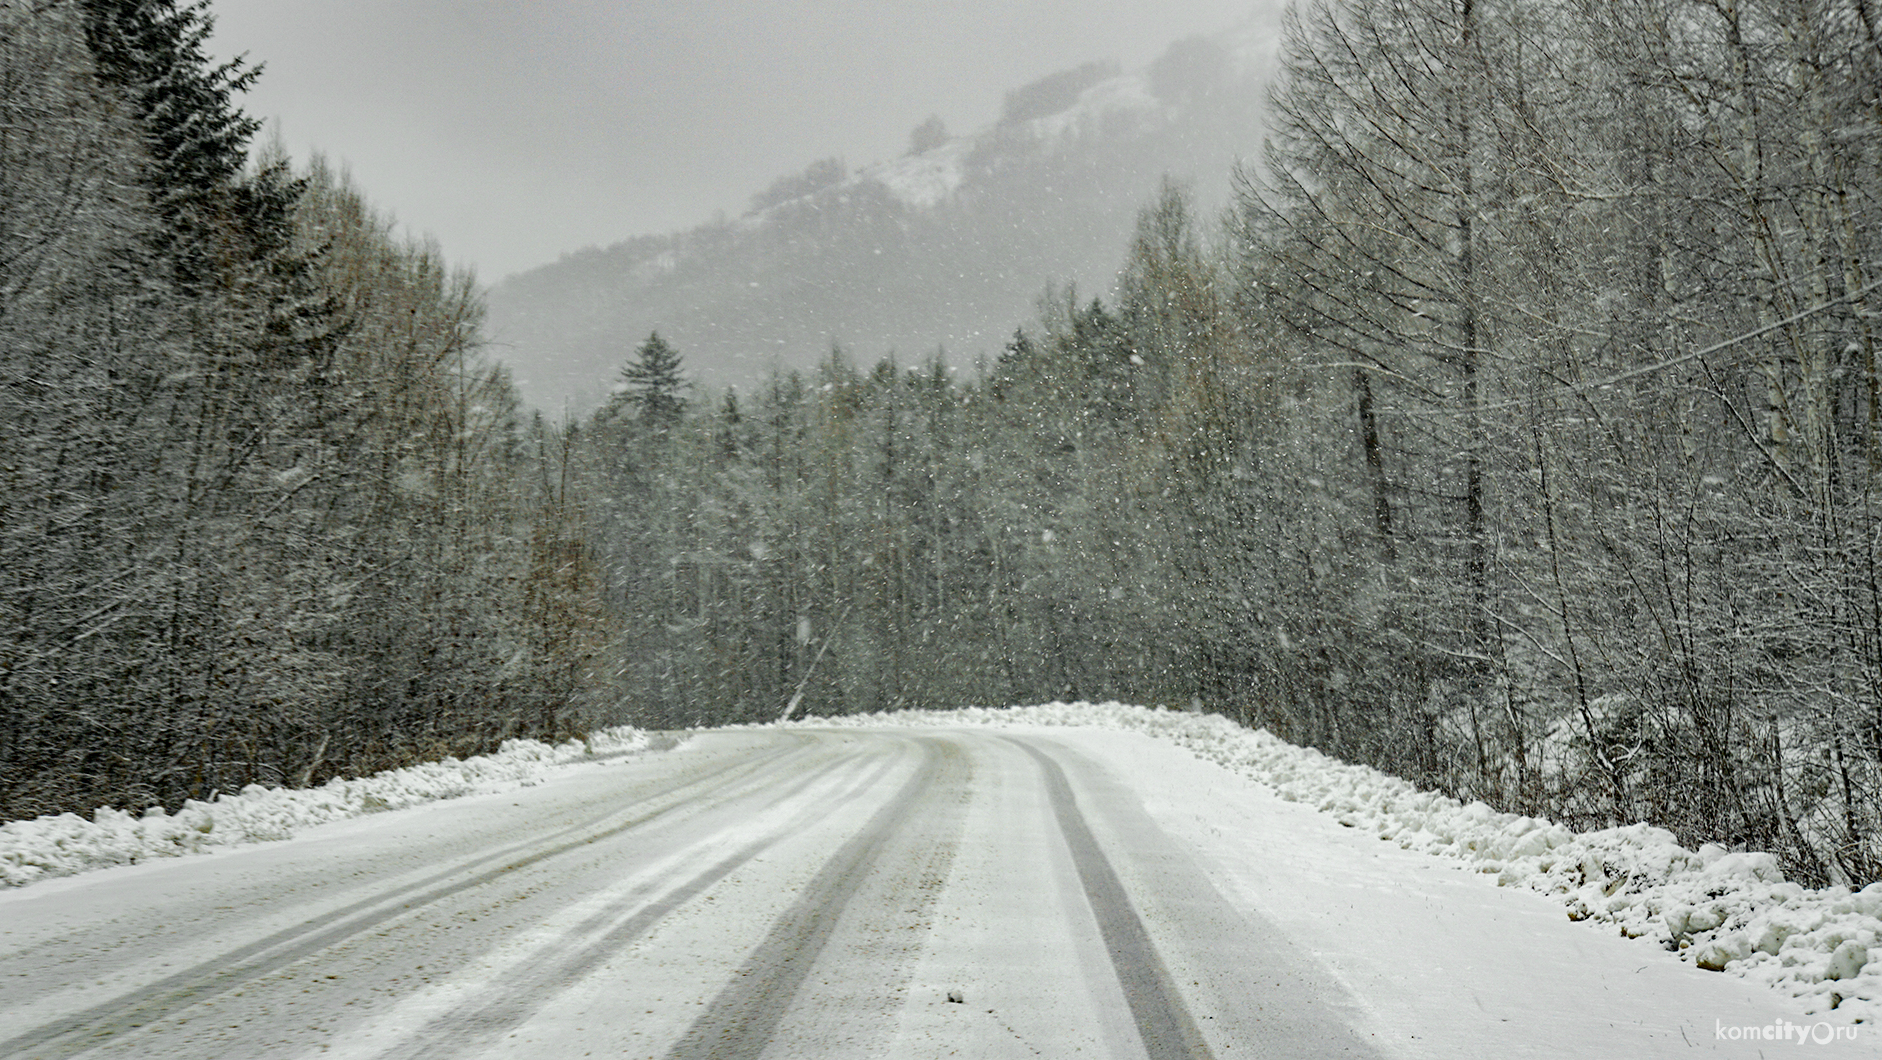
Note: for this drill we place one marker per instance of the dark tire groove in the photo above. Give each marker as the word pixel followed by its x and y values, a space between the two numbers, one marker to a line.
pixel 743 1018
pixel 80 1031
pixel 1168 1031
pixel 485 1018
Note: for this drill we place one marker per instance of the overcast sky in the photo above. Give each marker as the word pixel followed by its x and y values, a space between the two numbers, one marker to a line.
pixel 516 130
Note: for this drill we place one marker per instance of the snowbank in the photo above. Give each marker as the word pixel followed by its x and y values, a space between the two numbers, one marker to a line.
pixel 1723 911
pixel 67 844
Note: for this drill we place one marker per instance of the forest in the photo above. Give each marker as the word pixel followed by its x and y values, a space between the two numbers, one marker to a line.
pixel 267 514
pixel 1516 432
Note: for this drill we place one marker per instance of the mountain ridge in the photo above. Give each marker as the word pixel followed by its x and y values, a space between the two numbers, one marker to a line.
pixel 943 250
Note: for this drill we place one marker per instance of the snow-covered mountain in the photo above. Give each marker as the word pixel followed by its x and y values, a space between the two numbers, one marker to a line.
pixel 946 248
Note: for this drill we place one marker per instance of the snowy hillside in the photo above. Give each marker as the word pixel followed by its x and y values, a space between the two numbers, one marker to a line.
pixel 945 248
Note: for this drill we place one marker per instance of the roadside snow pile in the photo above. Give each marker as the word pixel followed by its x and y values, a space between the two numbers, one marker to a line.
pixel 1722 911
pixel 67 844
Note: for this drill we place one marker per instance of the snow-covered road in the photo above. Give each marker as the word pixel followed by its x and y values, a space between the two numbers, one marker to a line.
pixel 828 893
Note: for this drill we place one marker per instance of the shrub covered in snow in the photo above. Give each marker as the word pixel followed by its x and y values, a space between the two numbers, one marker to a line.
pixel 69 844
pixel 1723 911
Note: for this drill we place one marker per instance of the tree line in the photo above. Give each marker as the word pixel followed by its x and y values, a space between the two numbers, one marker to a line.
pixel 267 514
pixel 1515 431
pixel 1588 291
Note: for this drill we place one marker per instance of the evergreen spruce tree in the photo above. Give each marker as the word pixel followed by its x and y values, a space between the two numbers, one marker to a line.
pixel 652 383
pixel 155 52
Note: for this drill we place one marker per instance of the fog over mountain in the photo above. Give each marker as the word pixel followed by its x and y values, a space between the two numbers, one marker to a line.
pixel 946 248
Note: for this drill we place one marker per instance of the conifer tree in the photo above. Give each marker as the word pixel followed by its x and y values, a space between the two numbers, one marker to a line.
pixel 155 53
pixel 654 385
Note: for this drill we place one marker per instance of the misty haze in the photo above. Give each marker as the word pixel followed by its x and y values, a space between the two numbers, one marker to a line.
pixel 1346 528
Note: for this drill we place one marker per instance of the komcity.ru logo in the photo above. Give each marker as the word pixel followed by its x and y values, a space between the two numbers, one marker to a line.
pixel 1819 1033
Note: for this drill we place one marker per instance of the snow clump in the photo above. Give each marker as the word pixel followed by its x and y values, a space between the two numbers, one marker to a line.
pixel 67 844
pixel 1723 911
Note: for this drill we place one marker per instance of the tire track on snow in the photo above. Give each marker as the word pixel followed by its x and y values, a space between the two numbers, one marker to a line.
pixel 1164 1023
pixel 487 1016
pixel 91 1027
pixel 742 1020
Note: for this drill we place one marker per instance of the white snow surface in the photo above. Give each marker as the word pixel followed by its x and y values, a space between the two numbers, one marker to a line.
pixel 924 180
pixel 1730 912
pixel 67 844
